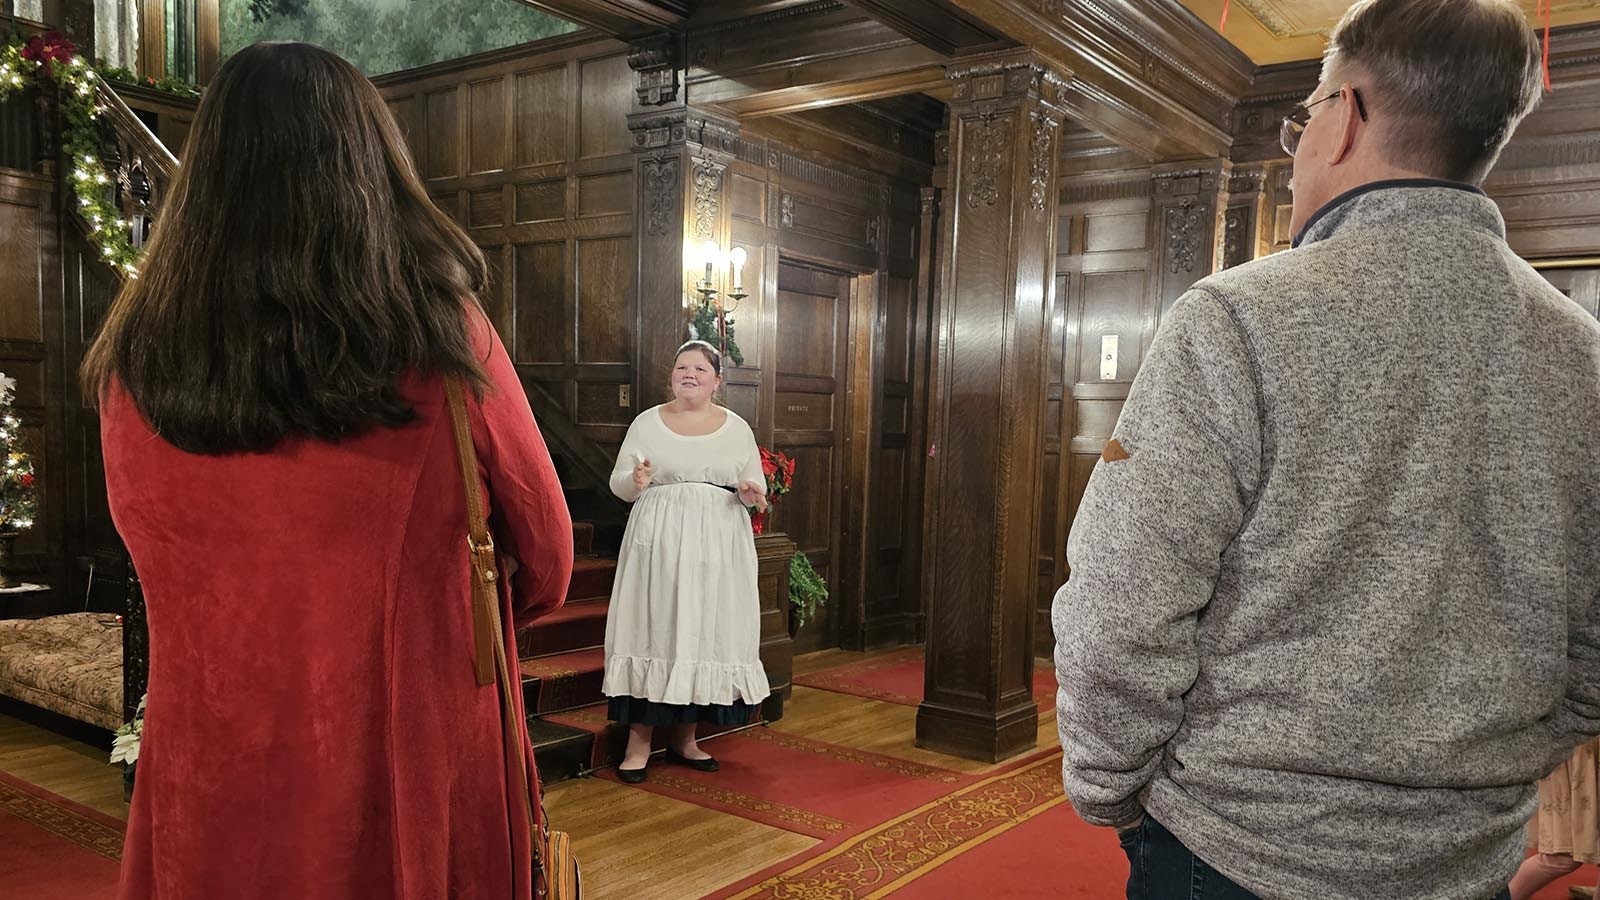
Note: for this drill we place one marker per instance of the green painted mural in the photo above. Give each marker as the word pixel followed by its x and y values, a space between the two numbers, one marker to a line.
pixel 382 36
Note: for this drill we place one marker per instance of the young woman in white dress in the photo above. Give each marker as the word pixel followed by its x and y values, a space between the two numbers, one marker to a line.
pixel 683 635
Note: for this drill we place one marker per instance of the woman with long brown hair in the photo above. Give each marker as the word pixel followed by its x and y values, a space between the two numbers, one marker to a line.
pixel 280 462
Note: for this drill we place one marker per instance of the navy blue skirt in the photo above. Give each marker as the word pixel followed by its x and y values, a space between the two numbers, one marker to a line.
pixel 639 711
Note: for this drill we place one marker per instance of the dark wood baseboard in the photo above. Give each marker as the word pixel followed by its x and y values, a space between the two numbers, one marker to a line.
pixel 893 630
pixel 979 735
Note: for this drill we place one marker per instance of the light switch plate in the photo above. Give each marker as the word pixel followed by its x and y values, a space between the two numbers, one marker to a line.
pixel 623 395
pixel 1108 357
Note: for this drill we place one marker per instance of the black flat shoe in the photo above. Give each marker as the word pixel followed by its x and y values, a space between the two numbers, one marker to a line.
pixel 709 764
pixel 632 776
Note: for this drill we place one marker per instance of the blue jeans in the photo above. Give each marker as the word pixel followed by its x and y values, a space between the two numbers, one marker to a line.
pixel 1160 867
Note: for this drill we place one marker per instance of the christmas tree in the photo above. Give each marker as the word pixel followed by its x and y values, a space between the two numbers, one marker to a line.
pixel 19 496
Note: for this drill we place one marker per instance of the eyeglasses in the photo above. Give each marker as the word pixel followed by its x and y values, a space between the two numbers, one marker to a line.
pixel 1294 124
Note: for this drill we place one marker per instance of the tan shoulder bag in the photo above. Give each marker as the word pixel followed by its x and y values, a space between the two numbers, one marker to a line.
pixel 555 867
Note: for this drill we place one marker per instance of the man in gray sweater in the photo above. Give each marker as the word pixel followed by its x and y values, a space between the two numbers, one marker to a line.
pixel 1332 609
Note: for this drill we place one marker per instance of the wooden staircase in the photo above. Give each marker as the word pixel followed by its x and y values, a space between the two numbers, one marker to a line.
pixel 562 660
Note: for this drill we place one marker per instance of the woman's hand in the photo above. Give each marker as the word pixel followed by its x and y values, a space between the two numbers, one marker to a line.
pixel 753 494
pixel 641 475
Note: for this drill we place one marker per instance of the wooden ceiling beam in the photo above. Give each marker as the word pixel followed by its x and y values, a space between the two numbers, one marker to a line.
pixel 807 57
pixel 1150 74
pixel 936 24
pixel 619 18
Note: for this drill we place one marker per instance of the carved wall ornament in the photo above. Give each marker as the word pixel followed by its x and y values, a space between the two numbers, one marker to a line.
pixel 1235 236
pixel 987 141
pixel 712 133
pixel 661 193
pixel 1039 161
pixel 786 211
pixel 772 159
pixel 654 61
pixel 655 130
pixel 874 229
pixel 1186 225
pixel 1247 181
pixel 707 197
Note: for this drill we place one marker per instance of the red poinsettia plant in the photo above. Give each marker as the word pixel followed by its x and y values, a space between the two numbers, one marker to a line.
pixel 779 470
pixel 50 47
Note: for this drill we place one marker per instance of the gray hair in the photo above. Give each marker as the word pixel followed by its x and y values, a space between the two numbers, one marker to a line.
pixel 1448 79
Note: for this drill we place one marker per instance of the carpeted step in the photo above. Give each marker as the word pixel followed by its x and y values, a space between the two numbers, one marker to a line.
pixel 560 751
pixel 578 625
pixel 591 578
pixel 563 680
pixel 582 538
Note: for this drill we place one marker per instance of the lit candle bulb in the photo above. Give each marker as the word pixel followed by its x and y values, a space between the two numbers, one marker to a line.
pixel 737 258
pixel 708 250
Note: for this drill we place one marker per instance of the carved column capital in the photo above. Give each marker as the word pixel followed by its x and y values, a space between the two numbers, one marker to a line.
pixel 1008 75
pixel 656 61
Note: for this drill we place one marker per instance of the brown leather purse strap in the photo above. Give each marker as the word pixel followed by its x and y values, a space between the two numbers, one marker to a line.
pixel 490 658
pixel 479 545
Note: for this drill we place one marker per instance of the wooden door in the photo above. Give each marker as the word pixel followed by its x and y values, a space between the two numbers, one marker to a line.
pixel 813 312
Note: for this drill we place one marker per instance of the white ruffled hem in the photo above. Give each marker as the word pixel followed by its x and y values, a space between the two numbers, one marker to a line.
pixel 684 682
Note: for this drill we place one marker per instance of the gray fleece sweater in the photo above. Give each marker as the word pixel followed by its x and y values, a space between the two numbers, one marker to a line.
pixel 1332 609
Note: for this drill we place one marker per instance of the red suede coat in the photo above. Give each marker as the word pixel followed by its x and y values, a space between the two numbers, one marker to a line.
pixel 314 728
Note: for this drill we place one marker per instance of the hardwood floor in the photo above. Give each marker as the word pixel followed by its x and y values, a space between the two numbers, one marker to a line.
pixel 61 765
pixel 636 845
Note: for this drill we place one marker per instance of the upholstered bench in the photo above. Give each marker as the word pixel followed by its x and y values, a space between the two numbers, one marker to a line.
pixel 69 664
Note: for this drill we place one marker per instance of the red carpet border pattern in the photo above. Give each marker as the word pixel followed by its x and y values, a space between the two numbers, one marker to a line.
pixel 30 805
pixel 882 859
pixel 898 766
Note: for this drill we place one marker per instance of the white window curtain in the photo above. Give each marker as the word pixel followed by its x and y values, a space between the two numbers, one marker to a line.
pixel 116 32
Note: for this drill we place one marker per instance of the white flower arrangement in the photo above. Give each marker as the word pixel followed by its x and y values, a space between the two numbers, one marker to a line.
pixel 126 747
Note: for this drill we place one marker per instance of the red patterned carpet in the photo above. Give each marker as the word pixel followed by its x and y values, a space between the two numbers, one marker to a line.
pixel 806 786
pixel 887 858
pixel 54 849
pixel 898 678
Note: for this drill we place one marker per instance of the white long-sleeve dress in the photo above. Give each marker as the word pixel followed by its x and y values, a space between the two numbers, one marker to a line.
pixel 684 626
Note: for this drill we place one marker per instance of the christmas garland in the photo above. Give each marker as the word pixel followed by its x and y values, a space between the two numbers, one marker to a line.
pixel 51 56
pixel 703 327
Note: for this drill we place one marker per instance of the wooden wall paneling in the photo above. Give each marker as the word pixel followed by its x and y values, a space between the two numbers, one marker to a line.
pixel 895 519
pixel 488 114
pixel 545 320
pixel 607 91
pixel 811 372
pixel 1104 253
pixel 863 409
pixel 915 575
pixel 1005 118
pixel 442 133
pixel 542 109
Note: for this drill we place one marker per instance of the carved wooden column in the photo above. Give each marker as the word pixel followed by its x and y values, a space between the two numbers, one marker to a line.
pixel 1245 219
pixel 1188 204
pixel 998 261
pixel 680 157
